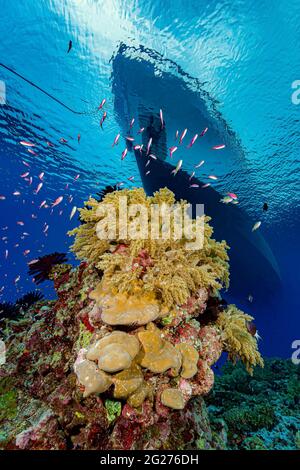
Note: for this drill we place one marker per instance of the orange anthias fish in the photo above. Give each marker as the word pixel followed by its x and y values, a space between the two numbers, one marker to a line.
pixel 161 118
pixel 172 150
pixel 124 153
pixel 218 147
pixel 103 119
pixel 182 136
pixel 40 185
pixel 57 201
pixel 178 166
pixel 256 226
pixel 149 145
pixel 193 141
pixel 73 212
pixel 200 164
pixel 102 103
pixel 116 140
pixel 27 144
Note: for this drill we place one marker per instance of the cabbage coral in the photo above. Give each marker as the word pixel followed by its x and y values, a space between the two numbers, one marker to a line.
pixel 238 342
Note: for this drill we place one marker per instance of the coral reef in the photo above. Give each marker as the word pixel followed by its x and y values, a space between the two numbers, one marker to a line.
pixel 14 311
pixel 42 407
pixel 157 288
pixel 123 357
pixel 29 299
pixel 8 310
pixel 261 412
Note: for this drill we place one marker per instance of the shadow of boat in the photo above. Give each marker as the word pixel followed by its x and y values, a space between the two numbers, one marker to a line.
pixel 144 82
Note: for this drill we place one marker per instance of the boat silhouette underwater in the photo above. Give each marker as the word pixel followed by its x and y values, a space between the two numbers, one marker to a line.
pixel 143 82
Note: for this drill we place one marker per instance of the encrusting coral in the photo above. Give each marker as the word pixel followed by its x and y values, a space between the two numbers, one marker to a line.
pixel 15 311
pixel 124 309
pixel 114 352
pixel 158 289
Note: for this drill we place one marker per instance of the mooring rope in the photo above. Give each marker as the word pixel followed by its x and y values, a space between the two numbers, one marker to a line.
pixel 45 92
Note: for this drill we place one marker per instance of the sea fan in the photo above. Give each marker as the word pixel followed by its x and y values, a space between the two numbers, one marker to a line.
pixel 108 189
pixel 41 268
pixel 8 310
pixel 214 306
pixel 27 300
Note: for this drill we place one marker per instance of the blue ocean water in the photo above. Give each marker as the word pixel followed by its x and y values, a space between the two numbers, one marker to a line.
pixel 244 54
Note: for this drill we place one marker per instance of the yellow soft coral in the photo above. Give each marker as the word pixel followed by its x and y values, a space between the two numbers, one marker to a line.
pixel 87 245
pixel 237 340
pixel 176 272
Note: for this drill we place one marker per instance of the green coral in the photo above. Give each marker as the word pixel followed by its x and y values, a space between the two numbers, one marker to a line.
pixel 58 270
pixel 55 358
pixel 297 440
pixel 201 443
pixel 250 418
pixel 237 340
pixel 261 411
pixel 84 337
pixel 293 387
pixel 8 399
pixel 113 409
pixel 8 405
pixel 254 443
